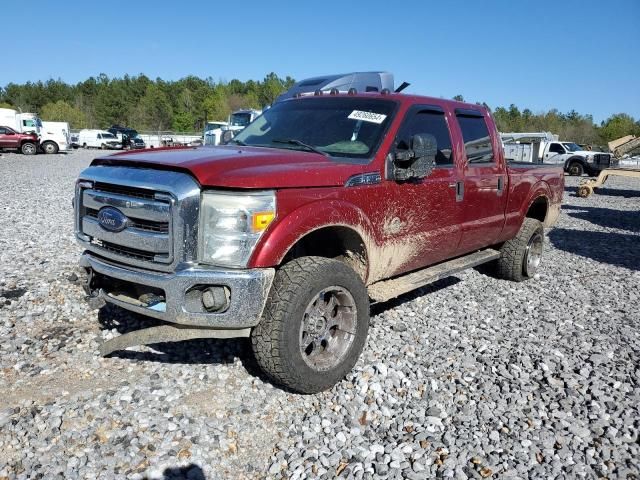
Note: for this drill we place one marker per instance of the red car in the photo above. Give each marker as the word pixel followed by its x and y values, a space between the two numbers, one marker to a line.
pixel 26 143
pixel 321 205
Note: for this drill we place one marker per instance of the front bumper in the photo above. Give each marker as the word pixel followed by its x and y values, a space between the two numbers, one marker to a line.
pixel 248 290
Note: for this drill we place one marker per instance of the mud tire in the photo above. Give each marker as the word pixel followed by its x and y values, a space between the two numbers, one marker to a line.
pixel 514 254
pixel 276 341
pixel 576 169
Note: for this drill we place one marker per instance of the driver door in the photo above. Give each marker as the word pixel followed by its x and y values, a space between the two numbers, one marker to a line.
pixel 422 215
pixel 8 139
pixel 555 154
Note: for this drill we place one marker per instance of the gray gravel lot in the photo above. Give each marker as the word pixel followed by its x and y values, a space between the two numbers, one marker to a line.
pixel 472 377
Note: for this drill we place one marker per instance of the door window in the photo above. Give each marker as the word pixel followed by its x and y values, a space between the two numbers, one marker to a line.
pixel 556 148
pixel 3 131
pixel 477 141
pixel 430 122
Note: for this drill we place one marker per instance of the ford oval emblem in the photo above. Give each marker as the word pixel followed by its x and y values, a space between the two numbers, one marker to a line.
pixel 112 219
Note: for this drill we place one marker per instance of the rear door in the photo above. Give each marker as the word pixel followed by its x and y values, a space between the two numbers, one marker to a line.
pixel 485 180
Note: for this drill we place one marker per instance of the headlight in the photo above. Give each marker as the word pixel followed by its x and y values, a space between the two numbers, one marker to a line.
pixel 231 225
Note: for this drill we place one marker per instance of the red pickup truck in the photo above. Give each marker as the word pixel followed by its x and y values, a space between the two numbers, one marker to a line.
pixel 27 143
pixel 320 206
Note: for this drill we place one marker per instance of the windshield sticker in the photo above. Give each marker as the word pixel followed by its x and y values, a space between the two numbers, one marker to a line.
pixel 367 116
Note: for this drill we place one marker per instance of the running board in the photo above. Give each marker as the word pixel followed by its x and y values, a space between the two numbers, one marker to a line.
pixel 388 289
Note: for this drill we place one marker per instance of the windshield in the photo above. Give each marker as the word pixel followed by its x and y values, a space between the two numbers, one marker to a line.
pixel 213 126
pixel 338 126
pixel 240 119
pixel 572 147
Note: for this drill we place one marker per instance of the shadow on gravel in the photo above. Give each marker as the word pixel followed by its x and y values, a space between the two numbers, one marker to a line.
pixel 617 249
pixel 190 472
pixel 606 217
pixel 198 351
pixel 378 308
pixel 610 192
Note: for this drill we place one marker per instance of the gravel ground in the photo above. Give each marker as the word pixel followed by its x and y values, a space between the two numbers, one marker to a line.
pixel 470 378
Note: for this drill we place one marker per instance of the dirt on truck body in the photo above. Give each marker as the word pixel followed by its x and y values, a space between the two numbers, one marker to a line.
pixel 319 206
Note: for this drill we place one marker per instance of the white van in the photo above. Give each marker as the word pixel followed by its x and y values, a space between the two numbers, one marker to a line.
pixel 98 139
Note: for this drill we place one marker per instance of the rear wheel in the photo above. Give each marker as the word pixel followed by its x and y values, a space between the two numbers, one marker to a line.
pixel 520 257
pixel 576 169
pixel 584 191
pixel 314 326
pixel 28 148
pixel 50 147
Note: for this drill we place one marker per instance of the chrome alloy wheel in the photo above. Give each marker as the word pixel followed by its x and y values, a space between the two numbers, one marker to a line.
pixel 533 254
pixel 328 328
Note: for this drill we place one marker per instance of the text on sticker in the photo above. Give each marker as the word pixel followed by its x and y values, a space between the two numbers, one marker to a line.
pixel 367 116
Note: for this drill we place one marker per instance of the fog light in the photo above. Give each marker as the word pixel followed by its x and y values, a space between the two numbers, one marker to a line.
pixel 215 299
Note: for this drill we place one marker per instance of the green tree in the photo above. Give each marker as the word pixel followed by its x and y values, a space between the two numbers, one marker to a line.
pixel 458 98
pixel 61 111
pixel 183 122
pixel 154 110
pixel 617 126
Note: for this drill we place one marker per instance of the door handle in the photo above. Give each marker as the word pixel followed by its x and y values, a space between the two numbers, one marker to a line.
pixel 500 186
pixel 459 186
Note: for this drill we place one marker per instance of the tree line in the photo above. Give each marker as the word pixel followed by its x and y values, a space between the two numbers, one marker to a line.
pixel 186 104
pixel 137 101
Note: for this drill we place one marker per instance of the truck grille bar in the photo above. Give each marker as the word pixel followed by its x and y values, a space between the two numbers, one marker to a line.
pixel 155 234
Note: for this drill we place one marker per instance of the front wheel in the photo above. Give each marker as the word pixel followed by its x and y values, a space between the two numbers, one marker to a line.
pixel 28 148
pixel 576 169
pixel 520 257
pixel 314 326
pixel 50 147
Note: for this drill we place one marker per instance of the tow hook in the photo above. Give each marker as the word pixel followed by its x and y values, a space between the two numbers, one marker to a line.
pixel 83 277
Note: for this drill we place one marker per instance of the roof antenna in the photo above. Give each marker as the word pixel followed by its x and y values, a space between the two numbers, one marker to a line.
pixel 401 87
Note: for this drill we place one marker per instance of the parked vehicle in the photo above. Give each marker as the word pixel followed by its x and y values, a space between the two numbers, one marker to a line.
pixel 51 140
pixel 544 147
pixel 321 204
pixel 98 139
pixel 127 136
pixel 26 143
pixel 342 82
pixel 213 132
pixel 56 137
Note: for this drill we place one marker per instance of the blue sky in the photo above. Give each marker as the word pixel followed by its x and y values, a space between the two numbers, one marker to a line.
pixel 582 55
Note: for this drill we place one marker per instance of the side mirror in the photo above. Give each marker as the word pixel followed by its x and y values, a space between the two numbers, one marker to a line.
pixel 9 133
pixel 227 136
pixel 418 162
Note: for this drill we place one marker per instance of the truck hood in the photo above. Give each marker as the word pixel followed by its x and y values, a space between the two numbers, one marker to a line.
pixel 243 167
pixel 585 153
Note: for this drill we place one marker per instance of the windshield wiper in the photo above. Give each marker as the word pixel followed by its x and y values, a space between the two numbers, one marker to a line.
pixel 238 142
pixel 293 141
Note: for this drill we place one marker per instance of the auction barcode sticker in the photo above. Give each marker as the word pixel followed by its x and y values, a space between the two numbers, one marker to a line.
pixel 367 116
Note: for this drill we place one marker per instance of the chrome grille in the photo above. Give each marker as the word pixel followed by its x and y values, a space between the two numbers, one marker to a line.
pixel 147 236
pixel 147 225
pixel 161 209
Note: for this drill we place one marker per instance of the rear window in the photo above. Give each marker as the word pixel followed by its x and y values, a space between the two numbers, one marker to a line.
pixel 477 142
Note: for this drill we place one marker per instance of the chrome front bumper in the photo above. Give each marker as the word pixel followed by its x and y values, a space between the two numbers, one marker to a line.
pixel 248 292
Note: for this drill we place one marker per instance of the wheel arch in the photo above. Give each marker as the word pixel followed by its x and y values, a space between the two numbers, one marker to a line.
pixel 331 229
pixel 574 159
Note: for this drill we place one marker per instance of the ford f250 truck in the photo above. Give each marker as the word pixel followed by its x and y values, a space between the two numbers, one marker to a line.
pixel 321 205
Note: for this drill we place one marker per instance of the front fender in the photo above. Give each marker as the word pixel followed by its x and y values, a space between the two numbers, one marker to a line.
pixel 575 158
pixel 281 236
